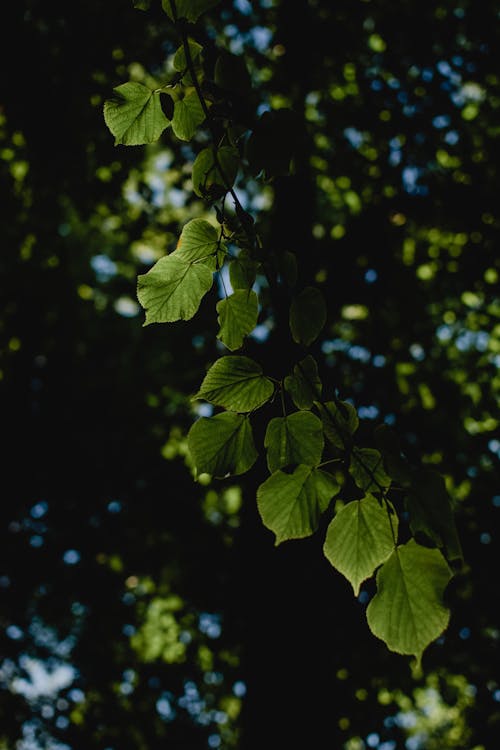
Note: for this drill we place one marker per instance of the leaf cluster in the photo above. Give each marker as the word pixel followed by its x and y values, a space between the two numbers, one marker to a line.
pixel 316 468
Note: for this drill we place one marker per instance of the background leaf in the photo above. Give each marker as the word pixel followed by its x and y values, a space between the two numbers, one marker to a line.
pixel 180 61
pixel 304 386
pixel 396 465
pixel 190 9
pixel 272 144
pixel 231 73
pixel 407 612
pixel 340 422
pixel 431 513
pixel 360 538
pixel 367 470
pixel 307 315
pixel 208 179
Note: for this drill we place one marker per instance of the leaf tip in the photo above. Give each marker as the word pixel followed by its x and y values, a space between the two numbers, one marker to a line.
pixel 417 671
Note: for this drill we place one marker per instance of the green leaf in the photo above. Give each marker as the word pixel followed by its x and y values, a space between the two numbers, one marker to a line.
pixel 360 538
pixel 142 4
pixel 367 470
pixel 291 504
pixel 304 386
pixel 190 9
pixel 236 383
pixel 237 317
pixel 222 444
pixel 431 512
pixel 407 612
pixel 180 61
pixel 296 439
pixel 307 315
pixel 340 422
pixel 243 271
pixel 135 115
pixel 173 289
pixel 188 114
pixel 213 181
pixel 199 241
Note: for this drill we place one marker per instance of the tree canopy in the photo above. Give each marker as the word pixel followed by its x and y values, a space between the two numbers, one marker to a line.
pixel 235 528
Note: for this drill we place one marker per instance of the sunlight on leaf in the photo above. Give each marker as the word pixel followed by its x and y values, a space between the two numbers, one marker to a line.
pixel 173 289
pixel 360 538
pixel 199 241
pixel 222 444
pixel 236 383
pixel 296 439
pixel 407 612
pixel 135 116
pixel 237 317
pixel 243 272
pixel 188 115
pixel 291 504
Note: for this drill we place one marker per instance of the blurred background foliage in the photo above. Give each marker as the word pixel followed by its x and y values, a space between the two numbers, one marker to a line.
pixel 138 607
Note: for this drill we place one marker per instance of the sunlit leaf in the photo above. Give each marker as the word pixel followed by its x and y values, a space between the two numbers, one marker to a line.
pixel 237 317
pixel 307 315
pixel 135 115
pixel 291 504
pixel 360 538
pixel 188 114
pixel 296 439
pixel 222 444
pixel 236 383
pixel 200 241
pixel 367 470
pixel 173 289
pixel 407 612
pixel 340 422
pixel 213 180
pixel 304 386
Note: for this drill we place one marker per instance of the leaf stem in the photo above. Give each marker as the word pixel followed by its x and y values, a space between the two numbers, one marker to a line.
pixel 192 71
pixel 329 461
pixel 283 405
